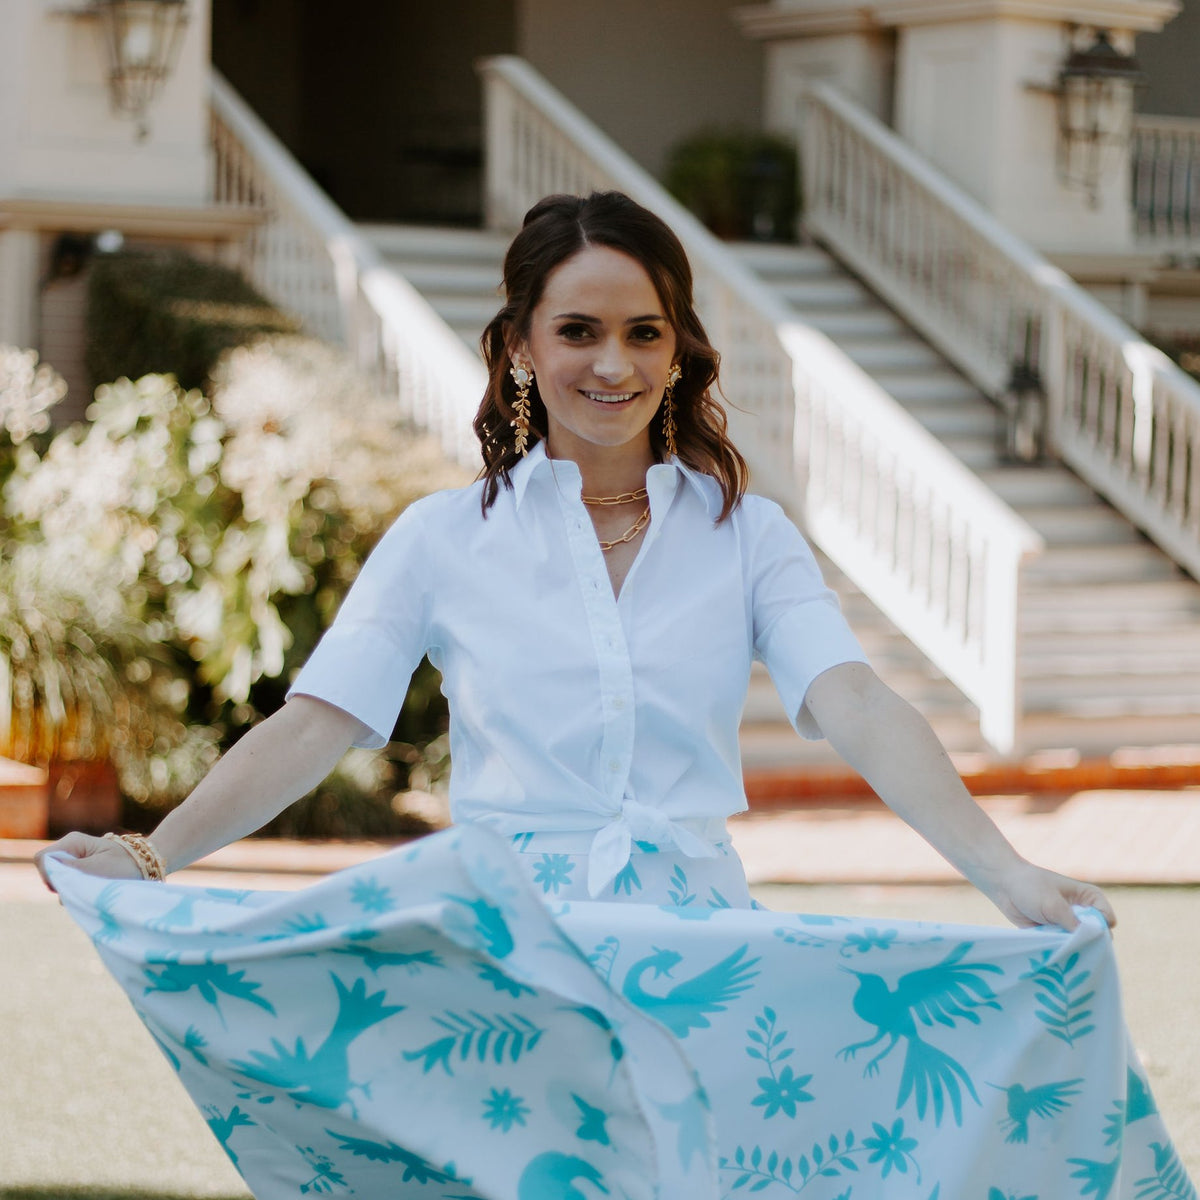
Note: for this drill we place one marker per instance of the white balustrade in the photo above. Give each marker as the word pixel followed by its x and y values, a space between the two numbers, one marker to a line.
pixel 920 534
pixel 310 259
pixel 1165 159
pixel 1121 413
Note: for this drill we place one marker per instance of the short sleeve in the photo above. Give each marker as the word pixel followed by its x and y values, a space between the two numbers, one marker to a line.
pixel 366 658
pixel 799 630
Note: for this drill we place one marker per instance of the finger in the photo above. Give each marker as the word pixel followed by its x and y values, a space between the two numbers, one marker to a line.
pixel 1057 910
pixel 75 845
pixel 1090 896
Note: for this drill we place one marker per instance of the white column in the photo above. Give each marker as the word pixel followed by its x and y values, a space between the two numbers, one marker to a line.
pixel 833 41
pixel 18 287
pixel 973 81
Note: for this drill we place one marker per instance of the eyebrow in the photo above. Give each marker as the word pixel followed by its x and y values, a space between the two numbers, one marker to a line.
pixel 574 316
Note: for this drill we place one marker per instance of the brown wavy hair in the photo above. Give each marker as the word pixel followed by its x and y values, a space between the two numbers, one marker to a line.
pixel 553 230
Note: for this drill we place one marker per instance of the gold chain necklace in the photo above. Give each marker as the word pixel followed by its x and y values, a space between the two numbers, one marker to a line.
pixel 622 498
pixel 631 532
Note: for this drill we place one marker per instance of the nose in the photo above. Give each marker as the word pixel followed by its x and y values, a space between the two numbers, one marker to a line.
pixel 611 363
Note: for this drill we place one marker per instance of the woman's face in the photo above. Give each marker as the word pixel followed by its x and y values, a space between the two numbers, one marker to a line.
pixel 601 348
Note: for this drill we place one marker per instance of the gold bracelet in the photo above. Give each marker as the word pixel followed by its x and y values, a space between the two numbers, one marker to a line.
pixel 141 850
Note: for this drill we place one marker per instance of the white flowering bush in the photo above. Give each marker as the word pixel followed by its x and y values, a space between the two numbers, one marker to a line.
pixel 194 548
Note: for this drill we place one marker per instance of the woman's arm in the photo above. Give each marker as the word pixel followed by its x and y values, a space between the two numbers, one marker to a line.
pixel 892 746
pixel 270 767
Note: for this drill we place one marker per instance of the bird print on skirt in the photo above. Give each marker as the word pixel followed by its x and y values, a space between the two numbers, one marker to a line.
pixel 433 1024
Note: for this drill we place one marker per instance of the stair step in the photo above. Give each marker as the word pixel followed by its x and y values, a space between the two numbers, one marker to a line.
pixel 436 279
pixel 923 387
pixel 955 419
pixel 1091 564
pixel 858 323
pixel 1037 485
pixel 1095 524
pixel 820 293
pixel 436 243
pixel 892 355
pixel 973 450
pixel 466 311
pixel 1103 604
pixel 772 260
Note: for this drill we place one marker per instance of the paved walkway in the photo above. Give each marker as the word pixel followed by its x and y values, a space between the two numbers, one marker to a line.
pixel 1109 837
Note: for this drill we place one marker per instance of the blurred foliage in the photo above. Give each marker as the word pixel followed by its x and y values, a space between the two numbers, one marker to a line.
pixel 1183 349
pixel 167 313
pixel 168 567
pixel 741 184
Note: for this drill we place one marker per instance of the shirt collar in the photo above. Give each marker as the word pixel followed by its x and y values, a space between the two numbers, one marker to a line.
pixel 537 462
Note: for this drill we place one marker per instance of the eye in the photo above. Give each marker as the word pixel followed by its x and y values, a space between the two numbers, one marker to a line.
pixel 576 331
pixel 645 333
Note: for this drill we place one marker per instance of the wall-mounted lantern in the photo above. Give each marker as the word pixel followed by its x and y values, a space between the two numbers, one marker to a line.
pixel 141 40
pixel 1022 435
pixel 1095 95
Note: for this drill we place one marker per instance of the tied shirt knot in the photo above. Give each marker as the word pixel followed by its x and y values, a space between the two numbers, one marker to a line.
pixel 637 822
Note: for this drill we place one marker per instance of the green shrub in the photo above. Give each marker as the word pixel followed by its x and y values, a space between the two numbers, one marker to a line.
pixel 740 184
pixel 168 313
pixel 175 561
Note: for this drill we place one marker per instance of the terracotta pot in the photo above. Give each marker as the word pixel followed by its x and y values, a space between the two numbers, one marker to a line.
pixel 24 800
pixel 83 795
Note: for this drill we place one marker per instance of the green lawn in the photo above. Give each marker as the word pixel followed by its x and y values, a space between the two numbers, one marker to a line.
pixel 89 1109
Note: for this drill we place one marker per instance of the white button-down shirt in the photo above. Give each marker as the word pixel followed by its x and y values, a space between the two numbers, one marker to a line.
pixel 571 709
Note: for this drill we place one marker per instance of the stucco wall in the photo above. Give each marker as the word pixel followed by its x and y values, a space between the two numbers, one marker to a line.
pixel 647 73
pixel 58 135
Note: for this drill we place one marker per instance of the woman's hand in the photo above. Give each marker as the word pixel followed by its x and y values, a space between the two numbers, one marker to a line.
pixel 891 745
pixel 1029 895
pixel 96 856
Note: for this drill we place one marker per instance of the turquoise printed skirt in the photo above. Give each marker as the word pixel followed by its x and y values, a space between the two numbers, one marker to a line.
pixel 445 1023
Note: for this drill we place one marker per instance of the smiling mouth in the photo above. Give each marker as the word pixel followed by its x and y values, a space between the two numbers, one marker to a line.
pixel 609 397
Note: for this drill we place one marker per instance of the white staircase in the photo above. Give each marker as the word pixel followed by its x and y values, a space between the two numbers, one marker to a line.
pixel 1110 626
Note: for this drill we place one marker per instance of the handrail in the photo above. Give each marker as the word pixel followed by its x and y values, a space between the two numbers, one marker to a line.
pixel 308 257
pixel 894 509
pixel 1165 162
pixel 1120 412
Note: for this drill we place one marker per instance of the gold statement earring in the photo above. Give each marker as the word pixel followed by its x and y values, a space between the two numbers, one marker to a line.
pixel 669 428
pixel 522 377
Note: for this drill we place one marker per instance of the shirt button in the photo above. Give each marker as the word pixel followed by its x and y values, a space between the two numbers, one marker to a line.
pixel 618 702
pixel 614 764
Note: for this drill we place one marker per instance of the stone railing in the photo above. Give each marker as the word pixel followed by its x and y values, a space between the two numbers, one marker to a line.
pixel 1165 159
pixel 309 258
pixel 920 534
pixel 1120 412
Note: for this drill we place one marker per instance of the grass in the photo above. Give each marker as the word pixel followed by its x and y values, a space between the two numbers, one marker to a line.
pixel 115 1125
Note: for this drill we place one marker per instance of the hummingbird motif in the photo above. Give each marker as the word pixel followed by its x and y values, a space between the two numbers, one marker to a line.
pixel 1047 1100
pixel 946 992
pixel 592 1122
pixel 416 1168
pixel 323 1077
pixel 551 1176
pixel 224 1125
pixel 374 959
pixel 208 978
pixel 689 1004
pixel 490 928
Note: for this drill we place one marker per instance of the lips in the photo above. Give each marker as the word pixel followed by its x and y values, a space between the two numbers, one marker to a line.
pixel 609 397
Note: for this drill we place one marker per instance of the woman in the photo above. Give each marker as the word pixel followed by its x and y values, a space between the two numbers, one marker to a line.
pixel 594 602
pixel 599 321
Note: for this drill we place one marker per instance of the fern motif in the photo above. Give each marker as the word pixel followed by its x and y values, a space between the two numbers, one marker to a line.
pixel 474 1033
pixel 1061 1008
pixel 1169 1181
pixel 678 891
pixel 604 957
pixel 758 1173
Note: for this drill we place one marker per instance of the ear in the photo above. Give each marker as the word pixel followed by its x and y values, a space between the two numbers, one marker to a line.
pixel 518 354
